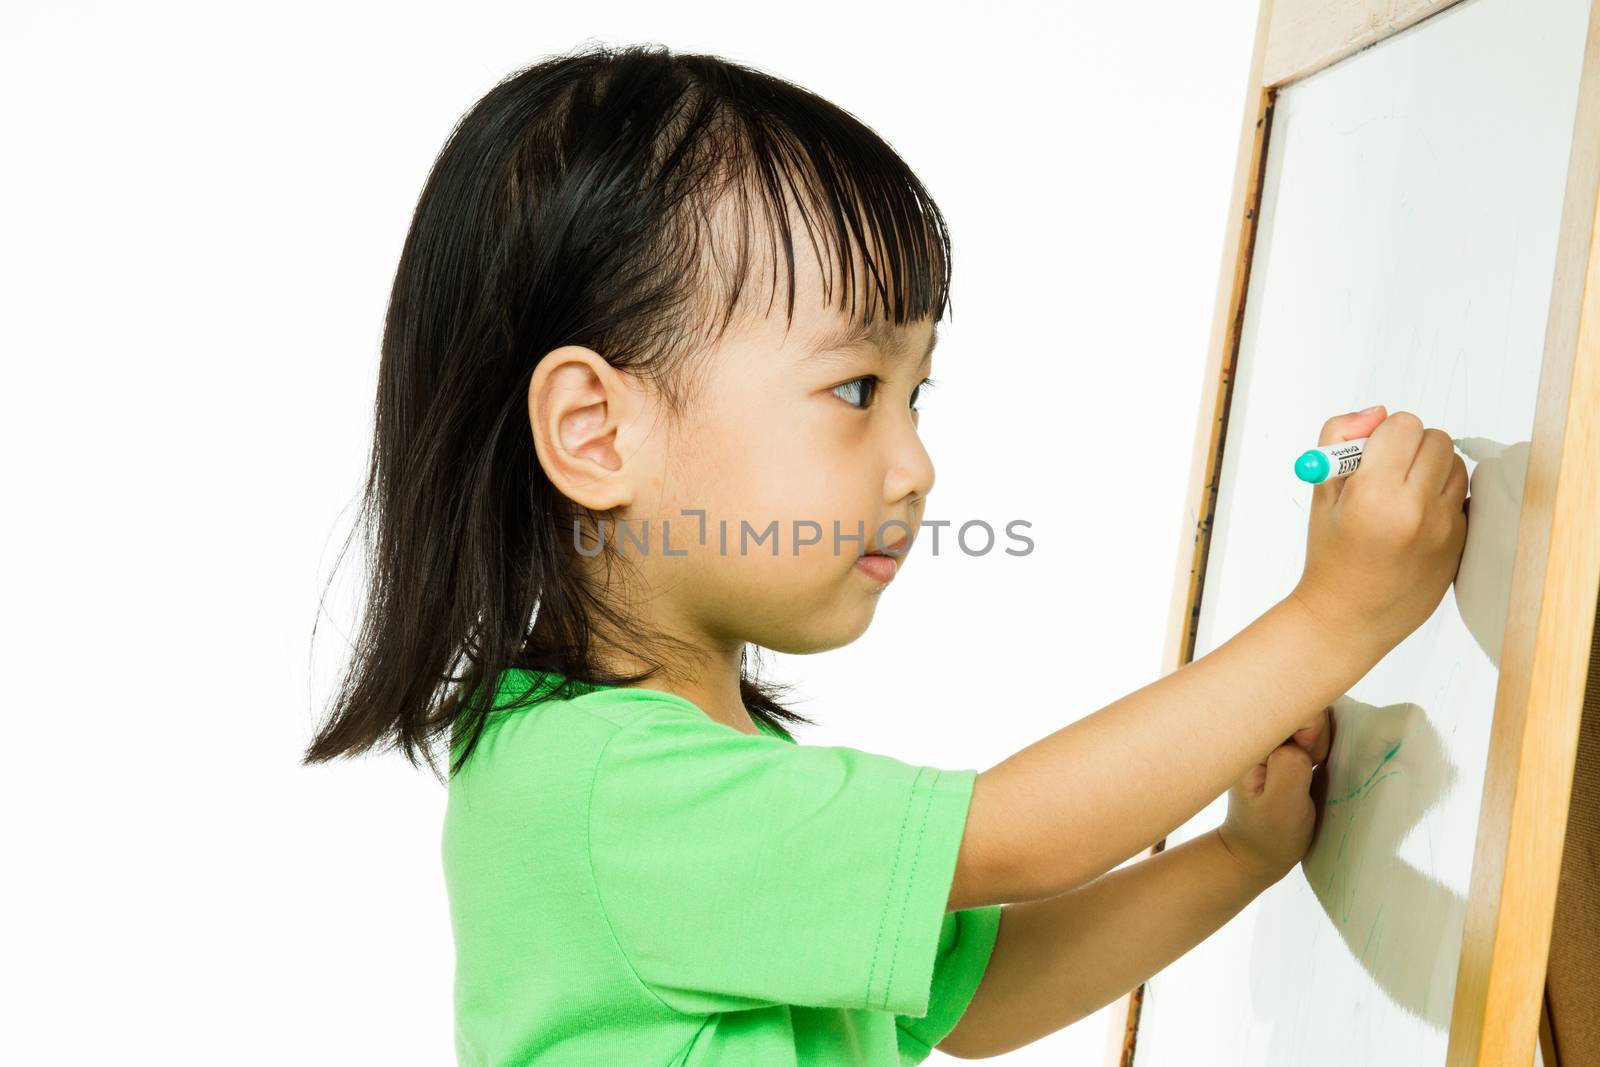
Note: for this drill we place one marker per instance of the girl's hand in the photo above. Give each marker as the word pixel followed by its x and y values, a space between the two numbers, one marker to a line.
pixel 1383 544
pixel 1271 814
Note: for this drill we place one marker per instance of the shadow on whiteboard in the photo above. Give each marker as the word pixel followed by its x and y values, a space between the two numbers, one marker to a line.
pixel 1483 582
pixel 1387 767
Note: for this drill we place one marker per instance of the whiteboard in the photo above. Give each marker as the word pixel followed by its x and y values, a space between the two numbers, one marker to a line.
pixel 1404 255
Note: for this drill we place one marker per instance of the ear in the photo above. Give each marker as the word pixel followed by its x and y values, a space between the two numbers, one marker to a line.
pixel 577 406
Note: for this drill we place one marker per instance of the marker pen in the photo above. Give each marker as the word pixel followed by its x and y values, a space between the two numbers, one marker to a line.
pixel 1318 464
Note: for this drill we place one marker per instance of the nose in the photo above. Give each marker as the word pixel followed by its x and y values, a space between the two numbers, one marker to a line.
pixel 910 471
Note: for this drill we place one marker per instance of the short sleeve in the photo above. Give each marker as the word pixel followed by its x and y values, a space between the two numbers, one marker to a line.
pixel 740 870
pixel 966 941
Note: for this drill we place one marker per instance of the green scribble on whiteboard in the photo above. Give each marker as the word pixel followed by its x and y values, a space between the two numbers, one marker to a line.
pixel 1375 920
pixel 1358 790
pixel 1378 774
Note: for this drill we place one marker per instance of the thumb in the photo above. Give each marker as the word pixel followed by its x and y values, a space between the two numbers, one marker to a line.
pixel 1337 430
pixel 1288 771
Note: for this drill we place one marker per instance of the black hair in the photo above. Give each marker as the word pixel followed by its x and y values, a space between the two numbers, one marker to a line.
pixel 574 204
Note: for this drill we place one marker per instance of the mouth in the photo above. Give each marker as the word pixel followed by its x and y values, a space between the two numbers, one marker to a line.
pixel 894 549
pixel 882 564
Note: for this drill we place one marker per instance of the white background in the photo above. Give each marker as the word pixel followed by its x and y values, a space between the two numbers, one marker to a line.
pixel 202 210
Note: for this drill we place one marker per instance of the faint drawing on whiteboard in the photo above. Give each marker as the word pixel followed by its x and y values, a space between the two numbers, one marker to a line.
pixel 1386 768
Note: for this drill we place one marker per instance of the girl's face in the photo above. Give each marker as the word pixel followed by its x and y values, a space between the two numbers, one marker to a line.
pixel 789 437
pixel 794 437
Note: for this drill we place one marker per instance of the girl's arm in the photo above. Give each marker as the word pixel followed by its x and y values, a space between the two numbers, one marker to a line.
pixel 1077 803
pixel 1058 960
pixel 1383 545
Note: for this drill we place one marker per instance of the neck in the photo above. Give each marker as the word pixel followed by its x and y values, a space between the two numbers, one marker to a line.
pixel 696 667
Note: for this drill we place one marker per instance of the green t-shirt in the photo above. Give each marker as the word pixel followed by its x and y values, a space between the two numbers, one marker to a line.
pixel 633 883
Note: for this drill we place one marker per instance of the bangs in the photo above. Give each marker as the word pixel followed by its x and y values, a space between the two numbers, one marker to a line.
pixel 757 174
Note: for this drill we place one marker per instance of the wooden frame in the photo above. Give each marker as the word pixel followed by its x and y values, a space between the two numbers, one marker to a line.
pixel 1533 741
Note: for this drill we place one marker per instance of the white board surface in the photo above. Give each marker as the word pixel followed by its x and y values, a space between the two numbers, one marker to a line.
pixel 1404 256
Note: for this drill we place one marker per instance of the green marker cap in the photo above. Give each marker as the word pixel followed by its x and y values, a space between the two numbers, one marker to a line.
pixel 1312 466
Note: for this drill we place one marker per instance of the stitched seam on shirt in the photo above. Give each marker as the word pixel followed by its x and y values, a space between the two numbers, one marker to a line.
pixel 911 885
pixel 888 903
pixel 588 849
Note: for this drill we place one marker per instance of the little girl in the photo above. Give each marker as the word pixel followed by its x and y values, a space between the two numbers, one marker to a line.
pixel 648 401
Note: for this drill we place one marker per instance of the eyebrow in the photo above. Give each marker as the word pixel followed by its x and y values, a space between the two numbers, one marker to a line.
pixel 844 338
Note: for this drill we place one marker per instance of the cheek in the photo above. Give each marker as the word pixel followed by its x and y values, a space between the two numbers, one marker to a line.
pixel 793 464
pixel 776 463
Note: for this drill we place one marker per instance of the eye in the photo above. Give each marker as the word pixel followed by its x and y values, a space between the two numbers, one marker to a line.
pixel 868 386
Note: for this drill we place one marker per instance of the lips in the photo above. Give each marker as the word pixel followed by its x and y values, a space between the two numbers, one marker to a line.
pixel 895 549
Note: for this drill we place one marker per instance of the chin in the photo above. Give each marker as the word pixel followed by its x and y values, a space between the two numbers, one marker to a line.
pixel 825 630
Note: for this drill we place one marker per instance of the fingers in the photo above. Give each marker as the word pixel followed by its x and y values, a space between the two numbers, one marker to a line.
pixel 1339 429
pixel 1316 738
pixel 1431 466
pixel 1348 427
pixel 1288 771
pixel 1391 449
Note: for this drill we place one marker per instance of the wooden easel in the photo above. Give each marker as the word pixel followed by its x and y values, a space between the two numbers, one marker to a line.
pixel 1547 661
